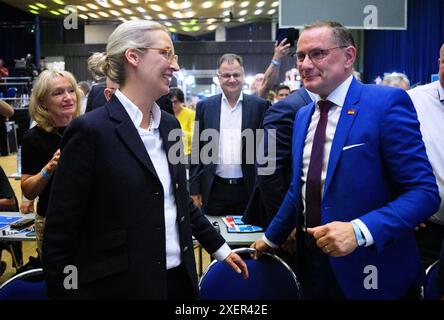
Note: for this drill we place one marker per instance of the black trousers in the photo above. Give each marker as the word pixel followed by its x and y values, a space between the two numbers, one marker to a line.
pixel 179 285
pixel 226 199
pixel 429 240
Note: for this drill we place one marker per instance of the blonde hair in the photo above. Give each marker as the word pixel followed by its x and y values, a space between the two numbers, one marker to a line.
pixel 131 34
pixel 37 110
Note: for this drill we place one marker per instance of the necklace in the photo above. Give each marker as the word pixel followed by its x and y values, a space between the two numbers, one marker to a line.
pixel 57 132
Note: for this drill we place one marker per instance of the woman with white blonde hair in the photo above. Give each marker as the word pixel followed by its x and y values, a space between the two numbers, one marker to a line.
pixel 120 211
pixel 55 101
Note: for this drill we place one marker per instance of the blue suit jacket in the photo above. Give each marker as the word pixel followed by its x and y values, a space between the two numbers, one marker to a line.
pixel 208 117
pixel 269 190
pixel 382 177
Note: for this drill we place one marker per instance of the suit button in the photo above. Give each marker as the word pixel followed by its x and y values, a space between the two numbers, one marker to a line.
pixel 156 193
pixel 158 262
pixel 177 186
pixel 182 219
pixel 157 228
pixel 185 249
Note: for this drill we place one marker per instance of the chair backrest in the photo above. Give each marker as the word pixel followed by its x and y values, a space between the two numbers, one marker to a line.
pixel 270 278
pixel 11 92
pixel 29 285
pixel 430 288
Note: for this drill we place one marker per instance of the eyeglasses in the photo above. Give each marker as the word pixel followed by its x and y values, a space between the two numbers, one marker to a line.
pixel 167 53
pixel 227 76
pixel 315 55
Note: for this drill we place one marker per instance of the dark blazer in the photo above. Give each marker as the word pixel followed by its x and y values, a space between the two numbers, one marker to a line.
pixel 208 117
pixel 96 98
pixel 269 190
pixel 106 212
pixel 378 172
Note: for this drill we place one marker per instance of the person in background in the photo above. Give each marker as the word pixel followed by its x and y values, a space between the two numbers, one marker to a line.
pixel 6 110
pixel 84 87
pixel 119 209
pixel 429 104
pixel 186 118
pixel 397 80
pixel 282 91
pixel 258 79
pixel 55 101
pixel 4 72
pixel 353 243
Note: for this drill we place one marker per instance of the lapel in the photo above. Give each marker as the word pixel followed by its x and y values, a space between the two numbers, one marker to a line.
pixel 246 117
pixel 303 118
pixel 128 133
pixel 305 96
pixel 214 115
pixel 164 130
pixel 343 128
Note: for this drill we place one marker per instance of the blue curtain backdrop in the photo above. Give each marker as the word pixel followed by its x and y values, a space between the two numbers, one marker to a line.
pixel 414 51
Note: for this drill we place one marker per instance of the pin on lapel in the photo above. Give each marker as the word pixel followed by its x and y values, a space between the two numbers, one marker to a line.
pixel 351 111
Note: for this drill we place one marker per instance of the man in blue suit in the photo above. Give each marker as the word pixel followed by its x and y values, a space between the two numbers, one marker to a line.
pixel 270 189
pixel 221 180
pixel 361 179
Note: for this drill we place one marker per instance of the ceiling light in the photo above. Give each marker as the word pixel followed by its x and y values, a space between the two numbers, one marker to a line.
pixel 186 5
pixel 172 29
pixel 104 3
pixel 178 14
pixel 226 13
pixel 195 28
pixel 93 15
pixel 41 5
pixel 243 12
pixel 271 11
pixel 244 4
pixel 275 4
pixel 56 13
pixel 211 21
pixel 127 11
pixel 82 8
pixel 227 4
pixel 92 6
pixel 189 14
pixel 103 14
pixel 115 13
pixel 34 11
pixel 63 11
pixel 133 1
pixel 140 9
pixel 212 27
pixel 134 18
pixel 60 2
pixel 155 7
pixel 227 20
pixel 187 29
pixel 241 19
pixel 83 16
pixel 33 7
pixel 173 5
pixel 260 4
pixel 147 17
pixel 258 12
pixel 118 3
pixel 168 24
pixel 162 16
pixel 207 4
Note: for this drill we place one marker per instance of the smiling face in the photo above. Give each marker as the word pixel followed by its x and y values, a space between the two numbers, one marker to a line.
pixel 156 68
pixel 231 78
pixel 60 100
pixel 324 75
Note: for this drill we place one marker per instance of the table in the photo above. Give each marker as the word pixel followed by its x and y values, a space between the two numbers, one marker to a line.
pixel 232 239
pixel 15 176
pixel 21 236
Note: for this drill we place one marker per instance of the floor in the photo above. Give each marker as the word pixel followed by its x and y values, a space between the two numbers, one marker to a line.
pixel 9 165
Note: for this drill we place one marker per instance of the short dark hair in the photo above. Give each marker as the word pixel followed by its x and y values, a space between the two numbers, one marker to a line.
pixel 342 35
pixel 178 93
pixel 281 87
pixel 230 58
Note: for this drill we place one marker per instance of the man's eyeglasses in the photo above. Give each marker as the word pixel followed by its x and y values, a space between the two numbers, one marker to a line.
pixel 227 76
pixel 315 55
pixel 167 53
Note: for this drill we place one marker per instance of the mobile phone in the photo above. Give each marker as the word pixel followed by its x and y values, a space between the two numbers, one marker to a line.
pixel 22 224
pixel 289 33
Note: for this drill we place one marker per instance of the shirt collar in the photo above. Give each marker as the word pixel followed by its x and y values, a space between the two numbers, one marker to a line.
pixel 340 93
pixel 239 100
pixel 134 112
pixel 440 92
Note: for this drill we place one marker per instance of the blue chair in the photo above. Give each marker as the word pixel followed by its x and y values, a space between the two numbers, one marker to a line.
pixel 270 278
pixel 11 92
pixel 28 285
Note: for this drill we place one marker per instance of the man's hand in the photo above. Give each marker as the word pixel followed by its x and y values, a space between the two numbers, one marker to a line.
pixel 336 239
pixel 197 200
pixel 281 50
pixel 260 247
pixel 238 265
pixel 27 206
pixel 290 244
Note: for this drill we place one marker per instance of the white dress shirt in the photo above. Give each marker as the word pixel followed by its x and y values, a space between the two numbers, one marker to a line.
pixel 154 146
pixel 337 97
pixel 230 139
pixel 429 105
